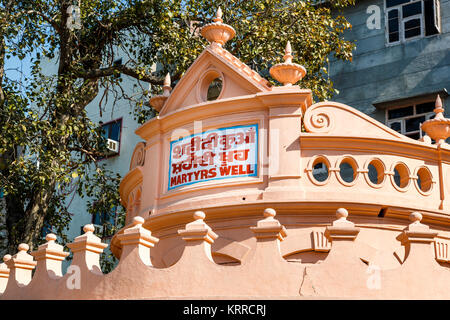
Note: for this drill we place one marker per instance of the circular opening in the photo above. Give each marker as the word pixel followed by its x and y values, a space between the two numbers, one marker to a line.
pixel 347 171
pixel 424 179
pixel 376 171
pixel 401 175
pixel 320 170
pixel 214 89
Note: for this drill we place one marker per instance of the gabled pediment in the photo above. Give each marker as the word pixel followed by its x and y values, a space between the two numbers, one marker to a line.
pixel 337 119
pixel 214 62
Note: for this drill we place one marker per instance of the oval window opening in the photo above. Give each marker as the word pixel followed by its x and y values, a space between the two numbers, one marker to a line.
pixel 347 172
pixel 376 172
pixel 373 174
pixel 397 177
pixel 401 176
pixel 424 180
pixel 214 89
pixel 320 171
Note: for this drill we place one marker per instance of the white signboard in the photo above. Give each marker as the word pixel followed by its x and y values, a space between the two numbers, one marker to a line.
pixel 216 154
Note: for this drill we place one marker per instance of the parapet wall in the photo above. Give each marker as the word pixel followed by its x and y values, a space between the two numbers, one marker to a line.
pixel 262 274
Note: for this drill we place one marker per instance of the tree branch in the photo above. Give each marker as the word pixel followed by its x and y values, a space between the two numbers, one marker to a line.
pixel 46 18
pixel 109 71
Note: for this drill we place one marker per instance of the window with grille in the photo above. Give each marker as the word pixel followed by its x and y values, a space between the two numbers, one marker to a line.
pixel 103 222
pixel 111 131
pixel 408 119
pixel 411 19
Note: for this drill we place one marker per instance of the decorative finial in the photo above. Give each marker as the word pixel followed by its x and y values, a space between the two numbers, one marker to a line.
pixel 24 247
pixel 50 237
pixel 288 53
pixel 218 32
pixel 89 228
pixel 269 213
pixel 166 87
pixel 438 109
pixel 287 73
pixel 157 102
pixel 199 215
pixel 438 128
pixel 138 220
pixel 415 217
pixel 167 80
pixel 342 214
pixel 218 16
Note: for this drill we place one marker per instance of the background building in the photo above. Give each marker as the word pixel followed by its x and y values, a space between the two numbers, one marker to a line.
pixel 401 61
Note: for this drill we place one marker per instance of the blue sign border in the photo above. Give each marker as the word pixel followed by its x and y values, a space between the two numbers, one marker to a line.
pixel 255 169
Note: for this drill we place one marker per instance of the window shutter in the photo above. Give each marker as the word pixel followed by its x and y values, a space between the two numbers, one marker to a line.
pixel 432 17
pixel 437 15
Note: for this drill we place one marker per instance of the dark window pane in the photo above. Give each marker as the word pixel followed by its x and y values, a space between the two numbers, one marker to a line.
pixel 393 14
pixel 320 172
pixel 392 3
pixel 425 107
pixel 393 25
pixel 415 136
pixel 413 124
pixel 397 177
pixel 105 131
pixel 397 126
pixel 96 219
pixel 346 172
pixel 373 174
pixel 115 130
pixel 412 33
pixel 400 112
pixel 393 37
pixel 412 9
pixel 214 89
pixel 411 24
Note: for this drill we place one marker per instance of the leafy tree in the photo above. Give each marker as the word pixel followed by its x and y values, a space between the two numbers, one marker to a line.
pixel 48 144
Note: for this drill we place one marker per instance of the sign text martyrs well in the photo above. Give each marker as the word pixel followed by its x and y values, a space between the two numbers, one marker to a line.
pixel 215 154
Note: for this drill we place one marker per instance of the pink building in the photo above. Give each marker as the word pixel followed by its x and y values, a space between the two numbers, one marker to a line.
pixel 238 190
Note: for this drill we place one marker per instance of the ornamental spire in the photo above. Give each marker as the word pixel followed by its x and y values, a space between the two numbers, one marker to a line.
pixel 157 102
pixel 288 53
pixel 438 109
pixel 166 87
pixel 438 128
pixel 287 73
pixel 218 15
pixel 217 31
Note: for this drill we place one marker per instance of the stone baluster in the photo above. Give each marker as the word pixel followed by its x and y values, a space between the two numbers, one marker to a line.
pixel 21 265
pixel 342 235
pixel 4 273
pixel 269 232
pixel 418 238
pixel 49 257
pixel 137 238
pixel 87 249
pixel 199 237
